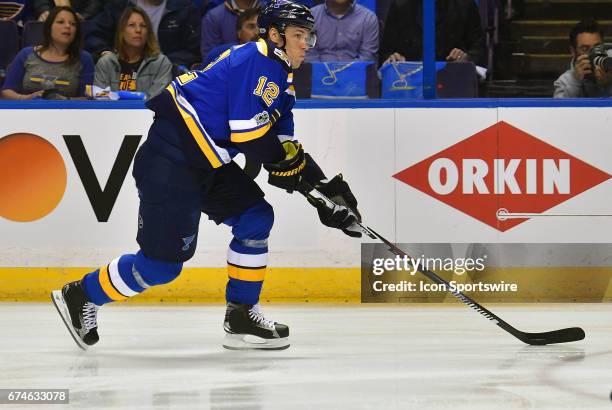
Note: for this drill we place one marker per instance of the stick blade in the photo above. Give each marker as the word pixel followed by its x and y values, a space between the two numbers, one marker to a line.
pixel 571 334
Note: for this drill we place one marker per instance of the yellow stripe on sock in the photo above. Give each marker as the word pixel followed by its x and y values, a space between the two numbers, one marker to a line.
pixel 107 286
pixel 249 275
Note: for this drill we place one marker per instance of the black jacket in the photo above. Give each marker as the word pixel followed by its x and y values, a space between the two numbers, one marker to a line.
pixel 457 26
pixel 178 34
pixel 86 8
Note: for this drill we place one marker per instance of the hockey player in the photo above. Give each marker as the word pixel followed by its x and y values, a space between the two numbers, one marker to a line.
pixel 241 102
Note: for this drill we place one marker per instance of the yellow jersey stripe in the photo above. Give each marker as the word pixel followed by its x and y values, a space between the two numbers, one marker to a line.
pixel 57 82
pixel 196 132
pixel 107 286
pixel 249 275
pixel 250 135
pixel 262 46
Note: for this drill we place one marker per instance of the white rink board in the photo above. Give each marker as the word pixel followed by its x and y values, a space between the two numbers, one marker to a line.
pixel 71 235
pixel 367 145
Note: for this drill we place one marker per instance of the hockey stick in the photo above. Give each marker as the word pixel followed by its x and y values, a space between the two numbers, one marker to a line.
pixel 571 334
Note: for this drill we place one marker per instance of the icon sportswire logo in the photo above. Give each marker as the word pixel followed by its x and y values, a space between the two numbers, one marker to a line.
pixel 502 167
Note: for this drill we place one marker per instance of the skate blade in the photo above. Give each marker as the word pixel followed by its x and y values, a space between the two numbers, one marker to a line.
pixel 62 309
pixel 250 342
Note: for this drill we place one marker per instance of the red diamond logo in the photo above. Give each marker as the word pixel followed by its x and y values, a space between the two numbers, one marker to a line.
pixel 502 168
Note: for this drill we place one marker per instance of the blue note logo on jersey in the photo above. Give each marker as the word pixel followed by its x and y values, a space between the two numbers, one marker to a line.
pixel 187 241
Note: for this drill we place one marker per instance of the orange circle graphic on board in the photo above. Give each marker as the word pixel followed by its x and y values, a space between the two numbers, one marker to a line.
pixel 32 177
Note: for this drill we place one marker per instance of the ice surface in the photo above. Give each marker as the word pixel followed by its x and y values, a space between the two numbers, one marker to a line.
pixel 341 357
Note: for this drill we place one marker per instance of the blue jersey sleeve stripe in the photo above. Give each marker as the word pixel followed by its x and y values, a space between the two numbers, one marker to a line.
pixel 250 135
pixel 205 144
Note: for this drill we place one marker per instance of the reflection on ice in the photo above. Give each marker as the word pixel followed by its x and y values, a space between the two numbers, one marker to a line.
pixel 353 357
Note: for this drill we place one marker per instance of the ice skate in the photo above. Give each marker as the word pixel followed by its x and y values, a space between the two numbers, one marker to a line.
pixel 247 329
pixel 79 315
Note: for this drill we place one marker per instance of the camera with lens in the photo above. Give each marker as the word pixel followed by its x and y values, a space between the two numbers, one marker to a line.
pixel 598 56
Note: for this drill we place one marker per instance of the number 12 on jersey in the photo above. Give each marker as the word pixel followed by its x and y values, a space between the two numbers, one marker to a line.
pixel 267 90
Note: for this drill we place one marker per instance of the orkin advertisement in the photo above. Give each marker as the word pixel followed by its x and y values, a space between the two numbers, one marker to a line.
pixel 420 175
pixel 499 172
pixel 504 175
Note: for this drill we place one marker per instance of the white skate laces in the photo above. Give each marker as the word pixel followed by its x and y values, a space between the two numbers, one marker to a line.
pixel 90 312
pixel 256 315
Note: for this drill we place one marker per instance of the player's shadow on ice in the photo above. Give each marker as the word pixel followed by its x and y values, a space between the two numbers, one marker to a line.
pixel 547 375
pixel 543 354
pixel 236 360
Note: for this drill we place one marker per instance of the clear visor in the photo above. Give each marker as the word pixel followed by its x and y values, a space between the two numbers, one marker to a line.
pixel 310 39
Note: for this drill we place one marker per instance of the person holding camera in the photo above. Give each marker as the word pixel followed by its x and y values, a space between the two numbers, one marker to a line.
pixel 585 78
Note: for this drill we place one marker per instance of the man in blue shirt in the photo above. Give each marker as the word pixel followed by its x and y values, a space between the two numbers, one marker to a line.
pixel 219 24
pixel 346 31
pixel 246 30
pixel 240 103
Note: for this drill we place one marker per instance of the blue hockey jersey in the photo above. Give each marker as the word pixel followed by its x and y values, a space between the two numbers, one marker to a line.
pixel 238 98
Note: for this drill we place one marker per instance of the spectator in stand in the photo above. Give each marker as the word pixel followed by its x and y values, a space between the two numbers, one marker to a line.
pixel 57 69
pixel 581 80
pixel 246 30
pixel 346 31
pixel 137 64
pixel 459 33
pixel 219 24
pixel 175 22
pixel 85 9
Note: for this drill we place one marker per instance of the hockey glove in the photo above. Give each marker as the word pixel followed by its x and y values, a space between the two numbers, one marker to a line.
pixel 345 213
pixel 287 173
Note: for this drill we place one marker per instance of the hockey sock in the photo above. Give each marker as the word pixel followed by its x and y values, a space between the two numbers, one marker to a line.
pixel 247 256
pixel 246 268
pixel 116 281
